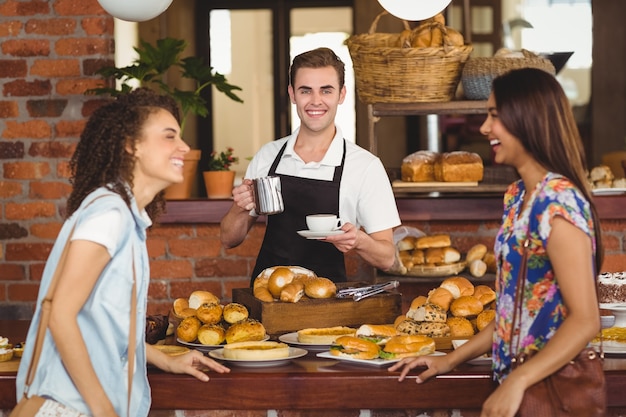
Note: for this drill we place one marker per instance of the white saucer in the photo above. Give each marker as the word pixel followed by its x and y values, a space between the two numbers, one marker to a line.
pixel 309 234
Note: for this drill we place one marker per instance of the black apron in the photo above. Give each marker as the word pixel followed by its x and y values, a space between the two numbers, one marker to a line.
pixel 282 245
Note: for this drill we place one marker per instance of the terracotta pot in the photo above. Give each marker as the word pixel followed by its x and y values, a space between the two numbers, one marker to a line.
pixel 182 191
pixel 219 184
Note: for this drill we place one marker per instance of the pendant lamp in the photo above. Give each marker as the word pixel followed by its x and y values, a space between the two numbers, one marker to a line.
pixel 133 10
pixel 414 10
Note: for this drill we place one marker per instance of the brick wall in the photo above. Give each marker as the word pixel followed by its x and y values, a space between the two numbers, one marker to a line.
pixel 49 52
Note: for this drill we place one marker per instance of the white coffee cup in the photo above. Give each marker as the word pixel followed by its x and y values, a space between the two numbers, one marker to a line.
pixel 322 222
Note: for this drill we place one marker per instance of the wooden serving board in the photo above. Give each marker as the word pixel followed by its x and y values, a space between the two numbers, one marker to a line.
pixel 10 366
pixel 430 184
pixel 400 186
pixel 280 317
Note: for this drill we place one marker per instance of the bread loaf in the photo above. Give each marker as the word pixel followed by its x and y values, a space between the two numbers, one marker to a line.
pixel 419 166
pixel 428 312
pixel 459 166
pixel 476 252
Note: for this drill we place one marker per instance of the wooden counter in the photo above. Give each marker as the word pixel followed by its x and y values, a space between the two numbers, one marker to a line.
pixel 316 383
pixel 417 207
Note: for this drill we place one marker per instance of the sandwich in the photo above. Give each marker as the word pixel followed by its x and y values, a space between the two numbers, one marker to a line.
pixel 354 348
pixel 405 346
pixel 324 335
pixel 377 333
pixel 256 350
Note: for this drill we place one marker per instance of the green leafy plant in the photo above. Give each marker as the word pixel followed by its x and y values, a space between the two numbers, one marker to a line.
pixel 151 66
pixel 222 161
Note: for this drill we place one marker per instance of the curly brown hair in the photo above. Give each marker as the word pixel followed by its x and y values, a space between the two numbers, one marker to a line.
pixel 101 159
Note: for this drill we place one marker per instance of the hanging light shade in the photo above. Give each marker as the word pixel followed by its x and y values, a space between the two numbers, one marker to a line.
pixel 135 11
pixel 414 10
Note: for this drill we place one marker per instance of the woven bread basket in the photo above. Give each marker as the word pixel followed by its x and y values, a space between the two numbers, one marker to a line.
pixel 387 73
pixel 478 73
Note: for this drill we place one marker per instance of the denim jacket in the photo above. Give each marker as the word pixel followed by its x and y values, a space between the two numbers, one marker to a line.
pixel 104 319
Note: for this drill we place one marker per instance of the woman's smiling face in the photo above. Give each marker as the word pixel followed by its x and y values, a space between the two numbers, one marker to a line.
pixel 507 148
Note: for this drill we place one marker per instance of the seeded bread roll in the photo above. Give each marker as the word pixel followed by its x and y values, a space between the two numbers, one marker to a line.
pixel 210 313
pixel 428 312
pixel 460 327
pixel 235 312
pixel 211 334
pixel 246 330
pixel 187 330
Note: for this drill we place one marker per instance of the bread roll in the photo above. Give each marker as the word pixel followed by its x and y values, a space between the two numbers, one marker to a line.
pixel 478 268
pixel 419 166
pixel 453 37
pixel 187 329
pixel 490 260
pixel 460 327
pixel 179 305
pixel 601 173
pixel 325 335
pixel 418 301
pixel 441 297
pixel 459 166
pixel 407 243
pixel 377 333
pixel 188 312
pixel 465 306
pixel 458 286
pixel 210 313
pixel 434 256
pixel 235 312
pixel 451 255
pixel 421 37
pixel 428 312
pixel 292 292
pixel 263 294
pixel 255 350
pixel 476 252
pixel 433 241
pixel 211 334
pixel 406 258
pixel 484 318
pixel 485 294
pixel 399 320
pixel 320 287
pixel 246 330
pixel 278 279
pixel 199 297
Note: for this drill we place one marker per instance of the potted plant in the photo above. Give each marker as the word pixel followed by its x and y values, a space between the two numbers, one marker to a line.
pixel 218 178
pixel 150 69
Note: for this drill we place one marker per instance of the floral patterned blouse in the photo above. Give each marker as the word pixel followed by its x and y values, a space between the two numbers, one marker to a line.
pixel 543 310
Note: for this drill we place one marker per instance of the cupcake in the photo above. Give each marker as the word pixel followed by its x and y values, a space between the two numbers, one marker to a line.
pixel 6 350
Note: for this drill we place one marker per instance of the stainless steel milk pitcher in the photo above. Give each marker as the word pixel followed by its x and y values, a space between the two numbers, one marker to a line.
pixel 267 195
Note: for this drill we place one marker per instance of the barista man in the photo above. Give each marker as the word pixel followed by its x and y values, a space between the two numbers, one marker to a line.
pixel 320 172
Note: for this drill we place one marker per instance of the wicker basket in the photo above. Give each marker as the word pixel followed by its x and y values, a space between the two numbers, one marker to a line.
pixel 387 73
pixel 478 73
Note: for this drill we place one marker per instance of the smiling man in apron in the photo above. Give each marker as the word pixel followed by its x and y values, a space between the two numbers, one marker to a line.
pixel 320 172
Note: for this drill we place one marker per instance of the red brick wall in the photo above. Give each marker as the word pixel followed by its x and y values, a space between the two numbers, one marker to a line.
pixel 49 52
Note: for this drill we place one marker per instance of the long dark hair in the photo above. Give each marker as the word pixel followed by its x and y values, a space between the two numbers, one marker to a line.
pixel 101 159
pixel 534 108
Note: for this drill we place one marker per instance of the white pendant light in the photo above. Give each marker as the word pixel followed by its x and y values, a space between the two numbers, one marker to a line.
pixel 414 10
pixel 134 10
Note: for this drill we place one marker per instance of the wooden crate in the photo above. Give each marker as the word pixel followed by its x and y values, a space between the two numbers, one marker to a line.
pixel 280 318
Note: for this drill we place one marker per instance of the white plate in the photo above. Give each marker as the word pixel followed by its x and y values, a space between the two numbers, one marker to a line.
pixel 613 306
pixel 608 191
pixel 292 339
pixel 370 362
pixel 480 360
pixel 293 354
pixel 608 347
pixel 319 235
pixel 206 348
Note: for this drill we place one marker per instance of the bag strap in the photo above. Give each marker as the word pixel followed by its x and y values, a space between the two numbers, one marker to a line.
pixel 131 335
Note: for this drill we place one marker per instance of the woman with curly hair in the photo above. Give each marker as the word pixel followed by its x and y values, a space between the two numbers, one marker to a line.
pixel 128 153
pixel 549 214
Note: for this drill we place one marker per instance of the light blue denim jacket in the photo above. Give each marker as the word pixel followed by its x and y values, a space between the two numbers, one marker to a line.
pixel 104 319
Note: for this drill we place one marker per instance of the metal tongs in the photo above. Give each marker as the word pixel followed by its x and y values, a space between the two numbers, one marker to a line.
pixel 359 293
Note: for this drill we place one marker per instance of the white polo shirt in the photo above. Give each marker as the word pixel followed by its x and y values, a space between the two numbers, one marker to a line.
pixel 365 195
